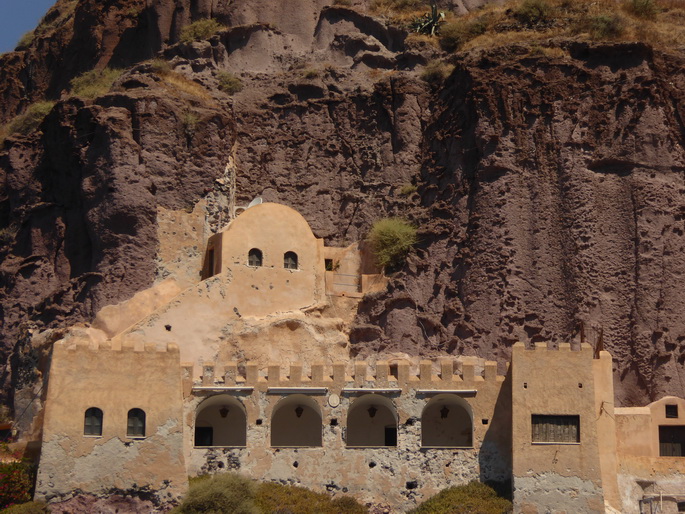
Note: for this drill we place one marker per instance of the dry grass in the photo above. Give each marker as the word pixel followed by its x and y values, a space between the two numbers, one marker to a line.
pixel 658 22
pixel 178 82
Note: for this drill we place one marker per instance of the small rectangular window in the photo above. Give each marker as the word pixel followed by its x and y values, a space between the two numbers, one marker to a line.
pixel 681 506
pixel 556 429
pixel 672 411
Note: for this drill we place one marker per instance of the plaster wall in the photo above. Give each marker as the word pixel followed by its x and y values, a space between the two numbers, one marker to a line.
pixel 401 475
pixel 644 475
pixel 114 380
pixel 564 477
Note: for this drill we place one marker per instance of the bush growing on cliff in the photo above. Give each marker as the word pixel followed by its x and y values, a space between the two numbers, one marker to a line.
pixel 436 72
pixel 200 29
pixel 94 83
pixel 453 35
pixel 472 498
pixel 28 122
pixel 646 9
pixel 391 240
pixel 229 83
pixel 605 26
pixel 532 12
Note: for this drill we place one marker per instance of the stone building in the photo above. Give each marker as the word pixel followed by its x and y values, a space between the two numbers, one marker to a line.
pixel 248 370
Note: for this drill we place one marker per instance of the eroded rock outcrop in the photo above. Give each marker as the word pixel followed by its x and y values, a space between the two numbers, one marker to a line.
pixel 550 194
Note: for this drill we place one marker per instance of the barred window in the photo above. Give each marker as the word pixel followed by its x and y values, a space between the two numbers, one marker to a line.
pixel 672 441
pixel 671 411
pixel 290 260
pixel 556 429
pixel 136 423
pixel 254 257
pixel 92 422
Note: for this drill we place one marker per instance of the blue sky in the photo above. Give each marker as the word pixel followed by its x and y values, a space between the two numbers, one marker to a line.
pixel 18 17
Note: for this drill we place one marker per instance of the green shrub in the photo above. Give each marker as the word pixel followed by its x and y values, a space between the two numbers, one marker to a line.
pixel 436 72
pixel 310 73
pixel 273 497
pixel 344 3
pixel 472 498
pixel 226 492
pixel 391 239
pixel 16 483
pixel 200 29
pixel 26 39
pixel 229 83
pixel 29 121
pixel 532 12
pixel 646 9
pixel 160 67
pixel 407 189
pixel 605 26
pixel 94 83
pixel 27 508
pixel 454 35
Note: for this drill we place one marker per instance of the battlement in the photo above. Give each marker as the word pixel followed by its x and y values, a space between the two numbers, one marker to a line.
pixel 401 374
pixel 562 347
pixel 115 346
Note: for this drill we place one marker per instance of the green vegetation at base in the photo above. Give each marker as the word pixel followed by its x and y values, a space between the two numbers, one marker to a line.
pixel 16 483
pixel 229 492
pixel 229 83
pixel 94 83
pixel 407 189
pixel 200 29
pixel 273 497
pixel 472 498
pixel 391 240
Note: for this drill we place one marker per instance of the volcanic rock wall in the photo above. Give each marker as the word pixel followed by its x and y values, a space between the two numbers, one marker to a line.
pixel 550 197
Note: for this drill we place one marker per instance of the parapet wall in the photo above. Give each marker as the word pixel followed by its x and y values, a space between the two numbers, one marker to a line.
pixel 401 374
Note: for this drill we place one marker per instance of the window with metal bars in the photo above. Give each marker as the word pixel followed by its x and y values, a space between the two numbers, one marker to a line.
pixel 136 423
pixel 290 260
pixel 672 441
pixel 254 257
pixel 92 422
pixel 556 429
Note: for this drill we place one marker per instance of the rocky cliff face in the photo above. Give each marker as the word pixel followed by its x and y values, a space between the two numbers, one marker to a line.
pixel 550 195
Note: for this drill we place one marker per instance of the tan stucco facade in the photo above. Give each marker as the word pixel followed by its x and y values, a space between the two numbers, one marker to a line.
pixel 115 380
pixel 248 369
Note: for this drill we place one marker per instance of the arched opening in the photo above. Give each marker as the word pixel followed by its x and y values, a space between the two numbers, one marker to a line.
pixel 135 426
pixel 447 422
pixel 296 421
pixel 220 420
pixel 372 421
pixel 254 257
pixel 92 422
pixel 290 260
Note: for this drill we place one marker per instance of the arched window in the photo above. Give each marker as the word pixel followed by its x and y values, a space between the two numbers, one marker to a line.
pixel 447 422
pixel 92 422
pixel 372 421
pixel 254 257
pixel 290 260
pixel 221 421
pixel 296 421
pixel 136 423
